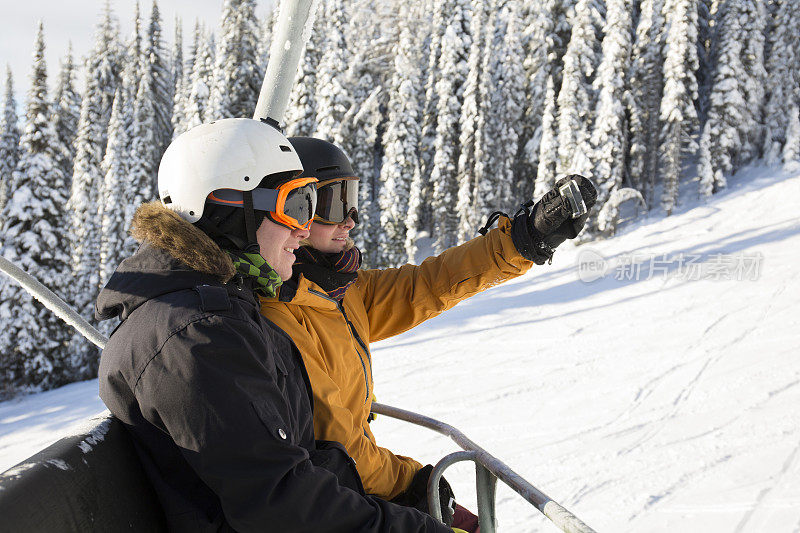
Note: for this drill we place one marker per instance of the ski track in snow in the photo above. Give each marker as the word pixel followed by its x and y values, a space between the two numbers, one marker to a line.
pixel 660 404
pixel 760 507
pixel 684 480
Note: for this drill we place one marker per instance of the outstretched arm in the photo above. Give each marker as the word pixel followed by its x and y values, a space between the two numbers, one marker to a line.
pixel 397 299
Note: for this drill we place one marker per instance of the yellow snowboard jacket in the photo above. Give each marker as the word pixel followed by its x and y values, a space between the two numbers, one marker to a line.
pixel 334 338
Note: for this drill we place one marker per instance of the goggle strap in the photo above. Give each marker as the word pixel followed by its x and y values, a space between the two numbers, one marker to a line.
pixel 249 221
pixel 262 199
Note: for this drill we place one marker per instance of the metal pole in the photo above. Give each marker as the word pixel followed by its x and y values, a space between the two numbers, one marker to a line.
pixel 486 483
pixel 292 31
pixel 435 503
pixel 561 517
pixel 52 302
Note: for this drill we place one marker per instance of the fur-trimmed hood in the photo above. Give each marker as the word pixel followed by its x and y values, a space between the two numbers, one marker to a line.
pixel 174 255
pixel 167 231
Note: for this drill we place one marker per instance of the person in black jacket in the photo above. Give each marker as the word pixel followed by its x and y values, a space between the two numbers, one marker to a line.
pixel 216 397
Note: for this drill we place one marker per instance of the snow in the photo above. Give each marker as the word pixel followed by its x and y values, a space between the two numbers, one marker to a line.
pixel 662 403
pixel 30 423
pixel 58 463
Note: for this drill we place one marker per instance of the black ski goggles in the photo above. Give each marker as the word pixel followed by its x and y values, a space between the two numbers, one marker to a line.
pixel 337 200
pixel 291 205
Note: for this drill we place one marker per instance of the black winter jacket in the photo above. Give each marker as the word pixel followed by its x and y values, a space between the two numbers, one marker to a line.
pixel 218 401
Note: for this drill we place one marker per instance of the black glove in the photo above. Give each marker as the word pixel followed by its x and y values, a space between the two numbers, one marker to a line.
pixel 537 232
pixel 416 495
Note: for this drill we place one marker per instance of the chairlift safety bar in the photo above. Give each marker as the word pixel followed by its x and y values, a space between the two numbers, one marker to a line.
pixel 489 470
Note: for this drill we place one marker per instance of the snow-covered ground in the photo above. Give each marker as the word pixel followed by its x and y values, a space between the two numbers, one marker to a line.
pixel 650 382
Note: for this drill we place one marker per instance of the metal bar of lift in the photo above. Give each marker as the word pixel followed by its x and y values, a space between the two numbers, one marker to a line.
pixel 560 516
pixel 292 31
pixel 51 300
pixel 486 483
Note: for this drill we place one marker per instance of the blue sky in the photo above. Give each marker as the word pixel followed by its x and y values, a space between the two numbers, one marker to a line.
pixel 75 20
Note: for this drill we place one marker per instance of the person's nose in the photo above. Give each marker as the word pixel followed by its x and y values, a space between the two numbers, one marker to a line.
pixel 348 223
pixel 300 234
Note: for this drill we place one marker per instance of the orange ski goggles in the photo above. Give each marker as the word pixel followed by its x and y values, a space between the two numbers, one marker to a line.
pixel 291 205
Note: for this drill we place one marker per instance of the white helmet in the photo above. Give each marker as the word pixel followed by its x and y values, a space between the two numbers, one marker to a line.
pixel 233 153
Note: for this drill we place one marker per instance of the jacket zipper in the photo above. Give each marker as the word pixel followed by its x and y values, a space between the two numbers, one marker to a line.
pixel 355 335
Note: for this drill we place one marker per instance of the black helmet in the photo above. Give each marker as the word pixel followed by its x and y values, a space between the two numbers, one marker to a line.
pixel 337 188
pixel 322 160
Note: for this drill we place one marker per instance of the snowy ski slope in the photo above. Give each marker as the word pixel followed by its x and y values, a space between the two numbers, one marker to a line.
pixel 666 400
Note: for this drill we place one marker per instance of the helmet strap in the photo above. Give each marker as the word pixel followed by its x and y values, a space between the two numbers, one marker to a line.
pixel 210 229
pixel 250 223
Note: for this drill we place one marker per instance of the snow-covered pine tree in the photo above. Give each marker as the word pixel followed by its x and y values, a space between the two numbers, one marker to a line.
pixel 453 70
pixel 646 86
pixel 781 63
pixel 754 17
pixel 609 138
pixel 791 149
pixel 135 72
pixel 141 182
pixel 115 166
pixel 66 111
pixel 538 41
pixel 196 109
pixel 511 94
pixel 678 106
pixel 238 74
pixel 469 125
pixel 723 133
pixel 439 11
pixel 563 15
pixel 9 141
pixel 333 99
pixel 548 147
pixel 197 36
pixel 102 81
pixel 104 66
pixel 103 73
pixel 181 101
pixel 502 92
pixel 178 78
pixel 705 59
pixel 554 28
pixel 134 64
pixel 362 144
pixel 364 122
pixel 796 68
pixel 177 61
pixel 161 84
pixel 400 171
pixel 575 99
pixel 301 113
pixel 33 343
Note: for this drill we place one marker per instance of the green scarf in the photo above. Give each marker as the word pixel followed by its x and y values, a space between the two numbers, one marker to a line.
pixel 256 267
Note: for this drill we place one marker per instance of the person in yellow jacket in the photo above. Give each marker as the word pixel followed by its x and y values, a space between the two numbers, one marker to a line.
pixel 333 310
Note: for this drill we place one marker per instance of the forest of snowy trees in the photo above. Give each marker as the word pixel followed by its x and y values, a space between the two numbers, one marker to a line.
pixel 449 109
